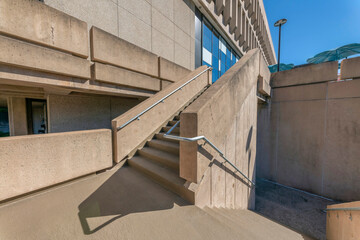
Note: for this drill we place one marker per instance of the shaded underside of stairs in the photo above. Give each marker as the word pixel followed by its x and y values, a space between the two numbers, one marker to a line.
pixel 124 204
pixel 300 211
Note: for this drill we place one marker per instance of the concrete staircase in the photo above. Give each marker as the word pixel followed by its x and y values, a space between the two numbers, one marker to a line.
pixel 159 160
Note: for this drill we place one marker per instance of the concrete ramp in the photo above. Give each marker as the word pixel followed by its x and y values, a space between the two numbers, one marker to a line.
pixel 123 204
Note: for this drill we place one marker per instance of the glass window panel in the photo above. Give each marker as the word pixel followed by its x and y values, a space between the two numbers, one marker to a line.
pixel 207 43
pixel 4 118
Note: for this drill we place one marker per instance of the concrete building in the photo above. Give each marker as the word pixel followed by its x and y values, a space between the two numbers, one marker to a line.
pixel 92 93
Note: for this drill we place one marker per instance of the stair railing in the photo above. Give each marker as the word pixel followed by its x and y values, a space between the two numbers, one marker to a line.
pixel 137 117
pixel 195 139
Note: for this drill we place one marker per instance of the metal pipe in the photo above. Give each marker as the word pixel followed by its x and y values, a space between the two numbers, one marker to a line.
pixel 278 66
pixel 137 117
pixel 194 139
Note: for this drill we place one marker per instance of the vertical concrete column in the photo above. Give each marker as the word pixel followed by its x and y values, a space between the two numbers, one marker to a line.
pixel 17 116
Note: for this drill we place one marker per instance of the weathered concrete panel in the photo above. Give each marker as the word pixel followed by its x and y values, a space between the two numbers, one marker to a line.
pixel 344 89
pixel 29 163
pixel 300 144
pixel 264 87
pixel 171 71
pixel 107 48
pixel 226 114
pixel 121 76
pixel 341 162
pixel 37 22
pixel 314 73
pixel 26 55
pixel 350 68
pixel 300 93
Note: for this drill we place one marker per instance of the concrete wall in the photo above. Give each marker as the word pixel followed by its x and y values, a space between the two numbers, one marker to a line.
pixel 343 221
pixel 74 113
pixel 226 114
pixel 165 28
pixel 310 131
pixel 29 163
pixel 50 50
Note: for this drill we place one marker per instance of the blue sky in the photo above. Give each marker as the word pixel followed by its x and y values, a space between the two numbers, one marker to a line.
pixel 313 26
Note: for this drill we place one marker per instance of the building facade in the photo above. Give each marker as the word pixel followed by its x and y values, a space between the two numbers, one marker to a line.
pixel 184 32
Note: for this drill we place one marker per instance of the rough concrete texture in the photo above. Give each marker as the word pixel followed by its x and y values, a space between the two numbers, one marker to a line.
pixel 123 77
pixel 313 73
pixel 311 141
pixel 264 86
pixel 26 55
pixel 123 204
pixel 29 163
pixel 226 115
pixel 107 48
pixel 74 113
pixel 343 224
pixel 171 71
pixel 17 116
pixel 17 76
pixel 350 68
pixel 300 211
pixel 165 28
pixel 130 137
pixel 36 22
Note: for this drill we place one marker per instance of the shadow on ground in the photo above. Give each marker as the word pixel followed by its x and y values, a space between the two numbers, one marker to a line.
pixel 297 210
pixel 125 192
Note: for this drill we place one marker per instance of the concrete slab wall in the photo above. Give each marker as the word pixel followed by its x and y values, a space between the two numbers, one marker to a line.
pixel 74 113
pixel 165 28
pixel 343 221
pixel 226 114
pixel 29 163
pixel 310 134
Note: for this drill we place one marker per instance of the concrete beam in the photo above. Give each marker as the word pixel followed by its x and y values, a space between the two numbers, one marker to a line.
pixel 39 23
pixel 350 68
pixel 107 48
pixel 171 71
pixel 123 77
pixel 314 73
pixel 26 55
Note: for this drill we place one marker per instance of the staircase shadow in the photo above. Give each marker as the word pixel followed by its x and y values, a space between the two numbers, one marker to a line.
pixel 125 192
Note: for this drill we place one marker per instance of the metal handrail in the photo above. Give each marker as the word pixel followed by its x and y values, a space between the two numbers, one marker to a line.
pixel 194 139
pixel 137 117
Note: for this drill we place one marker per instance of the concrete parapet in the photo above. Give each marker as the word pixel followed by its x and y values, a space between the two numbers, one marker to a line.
pixel 26 55
pixel 123 77
pixel 107 48
pixel 350 68
pixel 343 221
pixel 314 73
pixel 171 71
pixel 29 163
pixel 129 138
pixel 39 23
pixel 226 114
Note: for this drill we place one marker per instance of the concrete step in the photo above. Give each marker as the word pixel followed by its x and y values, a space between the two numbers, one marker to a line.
pixel 160 136
pixel 167 159
pixel 170 147
pixel 163 176
pixel 173 122
pixel 175 130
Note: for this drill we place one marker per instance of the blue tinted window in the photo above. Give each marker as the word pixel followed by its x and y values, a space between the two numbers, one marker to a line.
pixel 220 54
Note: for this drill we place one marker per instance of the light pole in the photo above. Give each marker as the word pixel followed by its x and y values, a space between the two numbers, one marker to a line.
pixel 279 23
